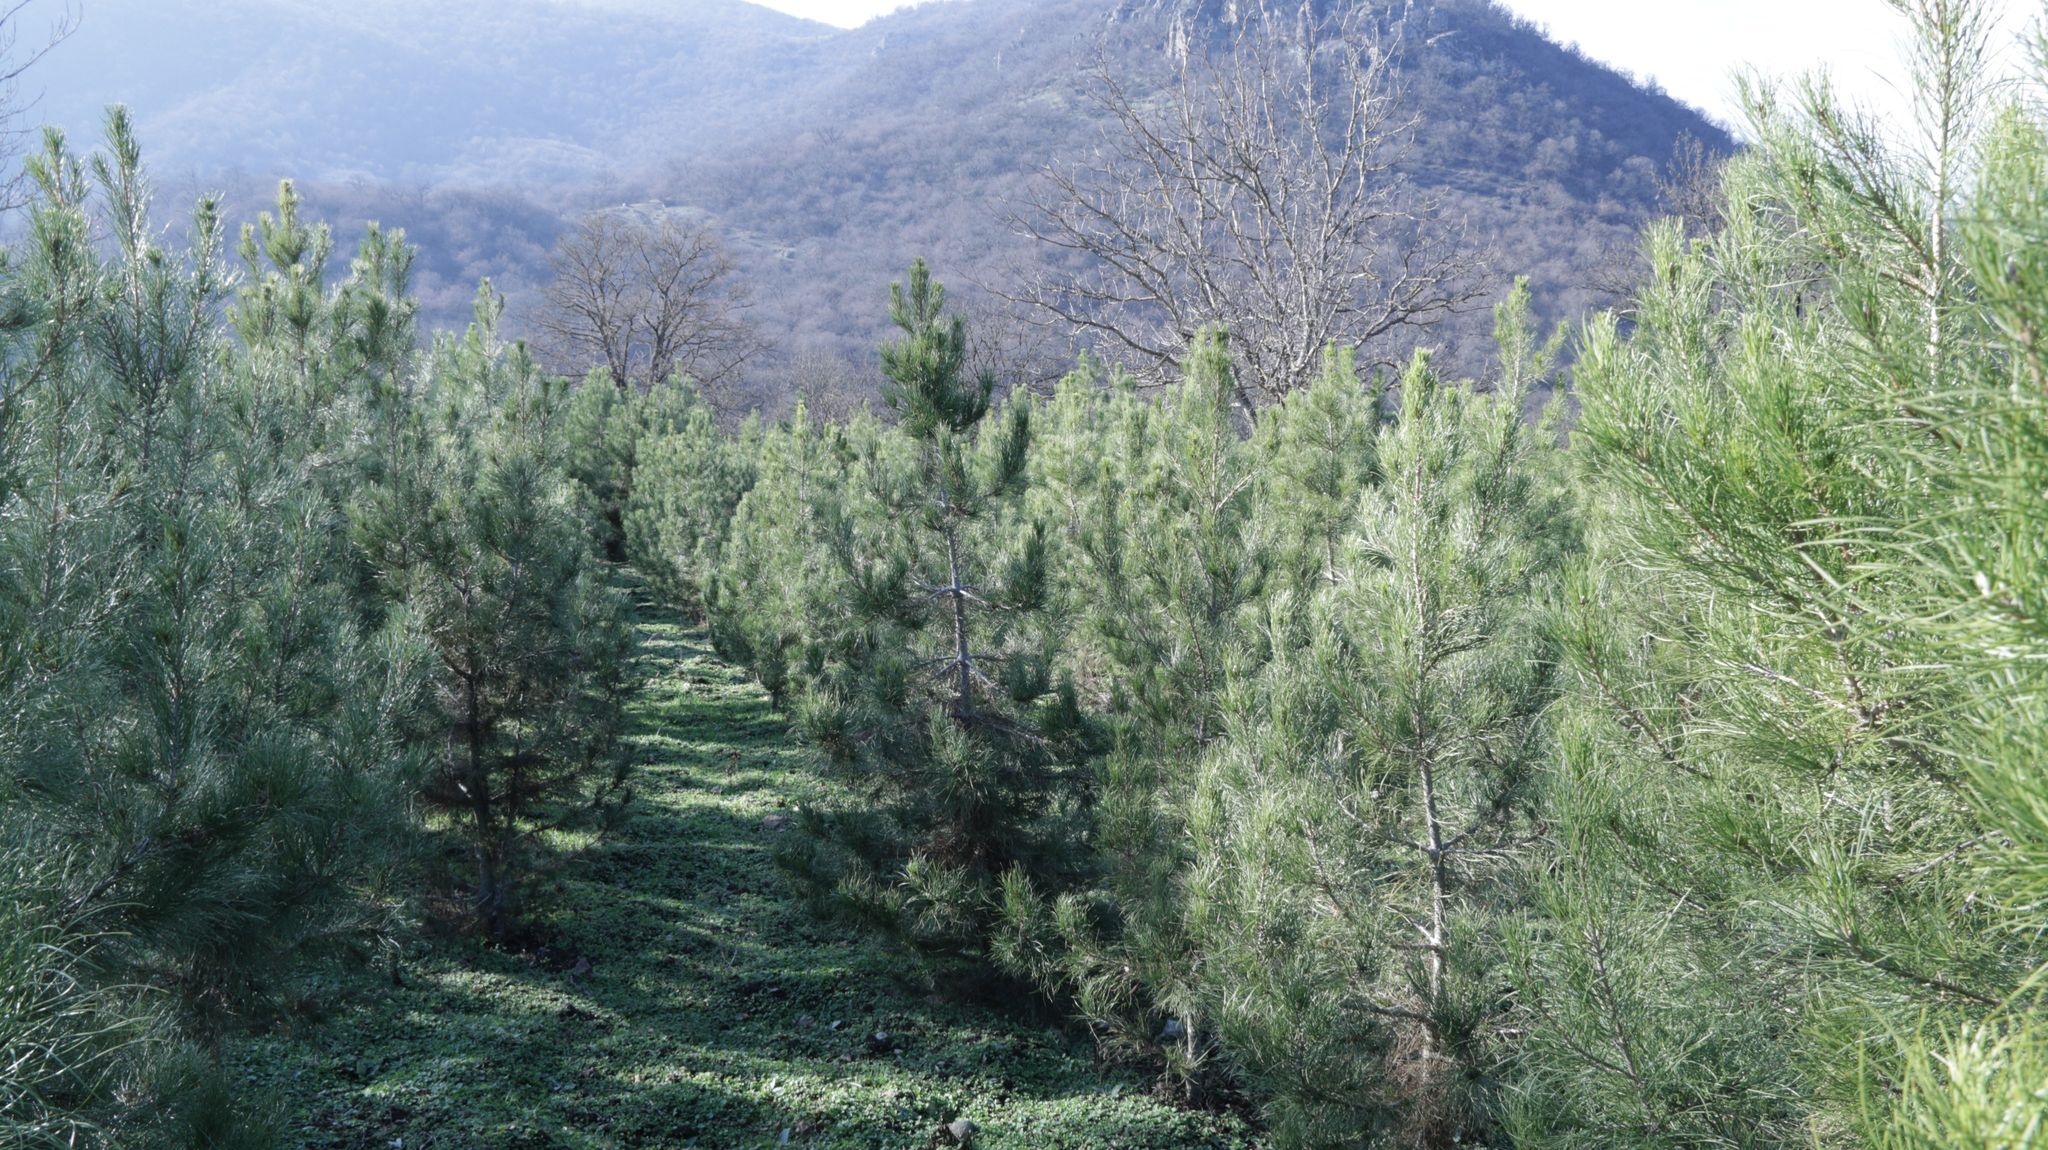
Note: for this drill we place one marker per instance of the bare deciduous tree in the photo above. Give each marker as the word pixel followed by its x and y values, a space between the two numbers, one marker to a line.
pixel 646 298
pixel 831 389
pixel 14 63
pixel 1004 343
pixel 1258 193
pixel 1689 191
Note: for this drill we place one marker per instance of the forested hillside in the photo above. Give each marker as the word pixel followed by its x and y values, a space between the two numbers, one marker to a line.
pixel 819 157
pixel 932 144
pixel 537 93
pixel 1617 735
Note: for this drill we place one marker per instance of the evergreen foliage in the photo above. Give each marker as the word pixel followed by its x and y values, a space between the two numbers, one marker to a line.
pixel 932 697
pixel 1320 454
pixel 203 778
pixel 771 590
pixel 1164 568
pixel 1387 763
pixel 217 666
pixel 1164 552
pixel 1780 799
pixel 476 540
pixel 611 431
pixel 688 479
pixel 1173 954
pixel 1357 831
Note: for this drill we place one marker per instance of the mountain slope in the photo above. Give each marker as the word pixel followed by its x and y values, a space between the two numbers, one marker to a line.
pixel 458 91
pixel 828 159
pixel 925 147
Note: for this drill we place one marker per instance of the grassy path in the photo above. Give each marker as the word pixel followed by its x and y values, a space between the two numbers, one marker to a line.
pixel 716 1013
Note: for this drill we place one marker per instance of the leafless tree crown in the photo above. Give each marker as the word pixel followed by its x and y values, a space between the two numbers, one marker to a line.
pixel 1689 191
pixel 1257 192
pixel 15 61
pixel 646 298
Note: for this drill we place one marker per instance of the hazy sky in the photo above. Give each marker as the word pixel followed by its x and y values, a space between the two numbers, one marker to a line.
pixel 1691 47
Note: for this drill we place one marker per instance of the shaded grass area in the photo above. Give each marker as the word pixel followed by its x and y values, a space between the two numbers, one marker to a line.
pixel 716 1011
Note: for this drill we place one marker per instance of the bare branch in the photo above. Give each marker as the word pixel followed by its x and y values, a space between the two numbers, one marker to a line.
pixel 13 65
pixel 647 299
pixel 1260 194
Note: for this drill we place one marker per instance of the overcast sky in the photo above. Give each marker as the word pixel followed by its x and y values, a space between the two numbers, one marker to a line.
pixel 1691 47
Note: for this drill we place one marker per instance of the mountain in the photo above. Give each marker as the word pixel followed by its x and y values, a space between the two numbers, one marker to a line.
pixel 923 149
pixel 462 92
pixel 827 159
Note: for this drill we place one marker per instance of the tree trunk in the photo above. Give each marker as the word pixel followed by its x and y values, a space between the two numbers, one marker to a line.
pixel 963 658
pixel 490 893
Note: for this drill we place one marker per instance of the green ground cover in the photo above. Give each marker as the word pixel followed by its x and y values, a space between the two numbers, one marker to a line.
pixel 714 1011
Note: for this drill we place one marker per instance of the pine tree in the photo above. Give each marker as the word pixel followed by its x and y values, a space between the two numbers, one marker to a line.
pixel 611 429
pixel 1167 559
pixel 473 531
pixel 1355 831
pixel 198 753
pixel 1163 562
pixel 604 438
pixel 63 1036
pixel 1771 810
pixel 688 482
pixel 219 812
pixel 773 584
pixel 1267 531
pixel 935 706
pixel 1982 1079
pixel 1319 446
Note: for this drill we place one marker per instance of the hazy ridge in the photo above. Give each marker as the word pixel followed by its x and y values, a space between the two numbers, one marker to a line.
pixel 826 158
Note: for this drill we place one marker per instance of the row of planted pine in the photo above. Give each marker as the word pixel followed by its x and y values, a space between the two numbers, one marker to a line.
pixel 1422 764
